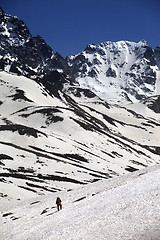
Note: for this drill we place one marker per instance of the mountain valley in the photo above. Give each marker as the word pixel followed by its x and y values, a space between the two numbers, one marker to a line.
pixel 67 122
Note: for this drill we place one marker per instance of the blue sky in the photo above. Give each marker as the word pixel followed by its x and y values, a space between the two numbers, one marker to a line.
pixel 68 26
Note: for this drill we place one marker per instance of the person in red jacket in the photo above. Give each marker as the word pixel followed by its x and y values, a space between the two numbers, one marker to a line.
pixel 59 204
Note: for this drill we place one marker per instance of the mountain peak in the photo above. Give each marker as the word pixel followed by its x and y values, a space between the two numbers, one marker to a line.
pixel 22 53
pixel 119 71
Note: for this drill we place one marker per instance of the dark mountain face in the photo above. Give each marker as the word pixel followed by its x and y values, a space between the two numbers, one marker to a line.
pixel 153 103
pixel 157 56
pixel 23 54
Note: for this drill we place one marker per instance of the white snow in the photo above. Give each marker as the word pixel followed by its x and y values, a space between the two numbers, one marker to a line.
pixel 129 65
pixel 118 140
pixel 123 208
pixel 108 152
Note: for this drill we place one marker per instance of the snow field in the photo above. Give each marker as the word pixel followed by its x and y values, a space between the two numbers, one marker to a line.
pixel 123 208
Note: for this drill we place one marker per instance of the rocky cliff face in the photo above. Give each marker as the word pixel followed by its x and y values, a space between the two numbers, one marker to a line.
pixel 23 54
pixel 118 71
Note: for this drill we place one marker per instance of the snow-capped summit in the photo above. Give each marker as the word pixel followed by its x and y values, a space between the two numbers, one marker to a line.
pixel 118 71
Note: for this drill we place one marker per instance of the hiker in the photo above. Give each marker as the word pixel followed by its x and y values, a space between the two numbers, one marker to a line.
pixel 59 204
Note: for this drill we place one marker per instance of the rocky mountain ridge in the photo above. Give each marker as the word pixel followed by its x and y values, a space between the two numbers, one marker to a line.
pixel 118 72
pixel 23 54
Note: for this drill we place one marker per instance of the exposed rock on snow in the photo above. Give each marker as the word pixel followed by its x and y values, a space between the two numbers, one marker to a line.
pixel 54 141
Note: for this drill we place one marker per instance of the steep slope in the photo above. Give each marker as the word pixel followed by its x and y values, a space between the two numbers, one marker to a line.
pixel 118 72
pixel 149 107
pixel 122 208
pixel 51 141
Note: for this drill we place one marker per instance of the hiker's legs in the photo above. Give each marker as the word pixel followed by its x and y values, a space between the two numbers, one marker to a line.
pixel 59 206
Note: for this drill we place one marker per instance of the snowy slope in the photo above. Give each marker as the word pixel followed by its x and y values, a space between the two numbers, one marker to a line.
pixel 56 132
pixel 122 208
pixel 51 140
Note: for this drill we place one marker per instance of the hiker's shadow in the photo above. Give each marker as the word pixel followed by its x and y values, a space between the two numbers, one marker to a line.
pixel 51 213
